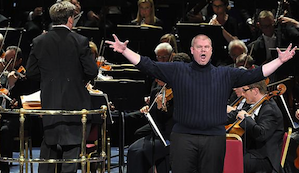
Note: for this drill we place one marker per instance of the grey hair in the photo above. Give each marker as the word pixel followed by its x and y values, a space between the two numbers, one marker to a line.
pixel 17 50
pixel 165 46
pixel 239 43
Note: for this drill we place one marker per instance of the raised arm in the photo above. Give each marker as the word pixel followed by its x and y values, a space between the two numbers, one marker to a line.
pixel 283 57
pixel 122 48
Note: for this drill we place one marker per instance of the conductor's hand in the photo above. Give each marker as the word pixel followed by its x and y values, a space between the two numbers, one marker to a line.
pixel 117 45
pixel 287 54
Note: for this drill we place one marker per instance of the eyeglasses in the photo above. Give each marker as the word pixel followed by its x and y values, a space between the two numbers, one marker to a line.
pixel 245 90
pixel 163 57
pixel 266 26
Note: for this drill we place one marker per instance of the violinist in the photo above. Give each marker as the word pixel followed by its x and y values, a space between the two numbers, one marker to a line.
pixel 15 87
pixel 263 131
pixel 140 153
pixel 270 38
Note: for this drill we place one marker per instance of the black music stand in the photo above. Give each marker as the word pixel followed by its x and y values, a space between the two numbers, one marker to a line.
pixel 126 74
pixel 143 39
pixel 126 94
pixel 92 33
pixel 187 31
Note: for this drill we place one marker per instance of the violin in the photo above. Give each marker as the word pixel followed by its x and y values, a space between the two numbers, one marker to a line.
pixel 20 72
pixel 166 95
pixel 4 92
pixel 235 127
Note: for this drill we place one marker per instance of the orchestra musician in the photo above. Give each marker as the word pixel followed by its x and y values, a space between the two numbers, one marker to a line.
pixel 142 151
pixel 264 130
pixel 62 62
pixel 13 86
pixel 198 139
pixel 146 14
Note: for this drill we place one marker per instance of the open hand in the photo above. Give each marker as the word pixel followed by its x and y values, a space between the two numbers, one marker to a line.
pixel 117 45
pixel 287 54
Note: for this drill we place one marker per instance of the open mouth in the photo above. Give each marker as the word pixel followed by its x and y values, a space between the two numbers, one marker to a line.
pixel 203 55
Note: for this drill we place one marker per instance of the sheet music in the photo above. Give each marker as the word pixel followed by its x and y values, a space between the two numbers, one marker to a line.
pixel 155 128
pixel 34 97
pixel 294 124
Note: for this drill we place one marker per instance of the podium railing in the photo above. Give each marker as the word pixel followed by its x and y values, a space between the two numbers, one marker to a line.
pixel 83 160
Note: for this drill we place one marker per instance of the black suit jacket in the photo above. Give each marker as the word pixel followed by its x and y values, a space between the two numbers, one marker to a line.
pixel 62 61
pixel 264 135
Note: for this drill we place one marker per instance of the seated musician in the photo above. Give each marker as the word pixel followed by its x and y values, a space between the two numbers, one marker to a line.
pixel 263 131
pixel 146 14
pixel 14 85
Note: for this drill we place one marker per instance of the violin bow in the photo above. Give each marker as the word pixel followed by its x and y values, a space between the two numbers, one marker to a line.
pixel 5 35
pixel 283 80
pixel 16 53
pixel 5 68
pixel 245 63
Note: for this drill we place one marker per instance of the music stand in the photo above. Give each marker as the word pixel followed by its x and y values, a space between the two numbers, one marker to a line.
pixel 92 33
pixel 126 74
pixel 143 39
pixel 187 31
pixel 126 94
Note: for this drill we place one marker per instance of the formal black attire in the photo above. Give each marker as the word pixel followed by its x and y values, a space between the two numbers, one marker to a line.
pixel 263 139
pixel 62 61
pixel 140 153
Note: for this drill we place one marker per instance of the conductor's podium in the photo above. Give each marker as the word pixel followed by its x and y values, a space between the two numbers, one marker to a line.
pixel 85 161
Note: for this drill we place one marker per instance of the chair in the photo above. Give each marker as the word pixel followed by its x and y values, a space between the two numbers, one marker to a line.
pixel 233 161
pixel 285 146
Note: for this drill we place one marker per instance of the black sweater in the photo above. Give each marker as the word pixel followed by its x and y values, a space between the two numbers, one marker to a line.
pixel 200 93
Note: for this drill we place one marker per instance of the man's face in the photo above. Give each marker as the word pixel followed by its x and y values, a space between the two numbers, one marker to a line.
pixel 267 26
pixel 9 56
pixel 201 50
pixel 235 52
pixel 249 93
pixel 163 55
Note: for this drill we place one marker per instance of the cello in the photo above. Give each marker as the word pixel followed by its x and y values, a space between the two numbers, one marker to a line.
pixel 235 127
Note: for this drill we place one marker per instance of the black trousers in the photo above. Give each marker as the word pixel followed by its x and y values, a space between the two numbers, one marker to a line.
pixel 253 164
pixel 197 153
pixel 140 155
pixel 59 152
